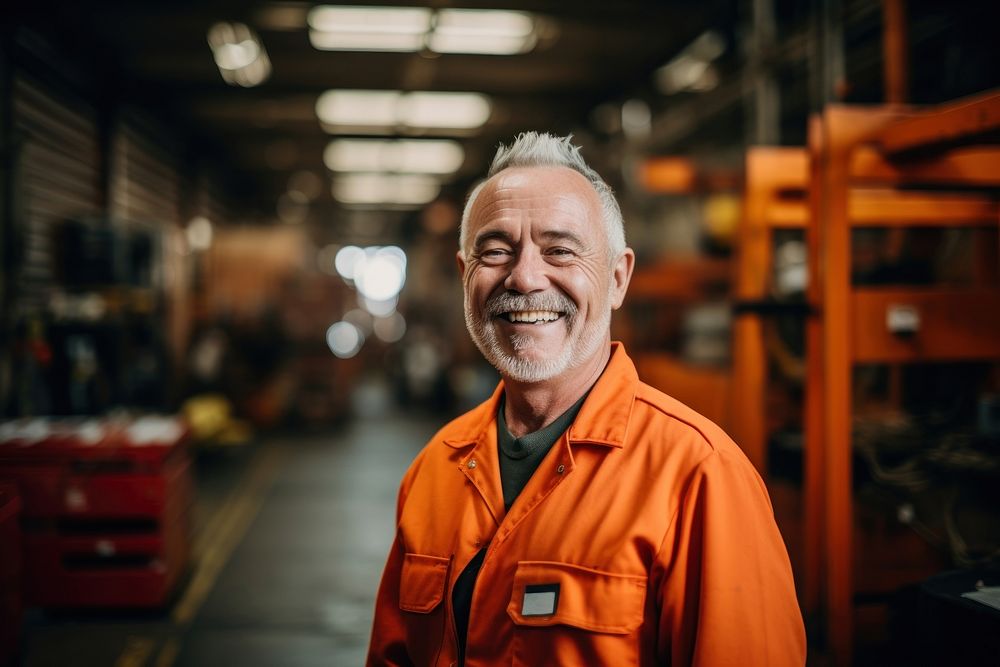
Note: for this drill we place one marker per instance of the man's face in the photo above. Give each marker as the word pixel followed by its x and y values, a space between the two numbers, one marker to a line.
pixel 539 282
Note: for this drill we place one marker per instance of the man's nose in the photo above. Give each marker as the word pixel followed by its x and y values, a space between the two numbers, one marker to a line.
pixel 527 274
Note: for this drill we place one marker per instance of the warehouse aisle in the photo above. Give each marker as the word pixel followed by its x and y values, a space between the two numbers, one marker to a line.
pixel 291 544
pixel 299 589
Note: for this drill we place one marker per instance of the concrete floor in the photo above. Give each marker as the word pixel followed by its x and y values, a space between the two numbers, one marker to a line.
pixel 291 536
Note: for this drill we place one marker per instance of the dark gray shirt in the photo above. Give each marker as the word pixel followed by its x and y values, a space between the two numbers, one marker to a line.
pixel 519 457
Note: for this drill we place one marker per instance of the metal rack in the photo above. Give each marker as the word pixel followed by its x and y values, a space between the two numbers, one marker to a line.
pixel 887 167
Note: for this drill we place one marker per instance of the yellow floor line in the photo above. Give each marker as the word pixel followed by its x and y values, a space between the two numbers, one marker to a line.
pixel 137 650
pixel 226 530
pixel 168 654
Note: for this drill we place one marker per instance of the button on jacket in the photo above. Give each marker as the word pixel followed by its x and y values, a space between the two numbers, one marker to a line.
pixel 645 537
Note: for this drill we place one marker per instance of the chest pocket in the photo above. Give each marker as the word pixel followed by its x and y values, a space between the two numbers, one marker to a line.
pixel 581 597
pixel 593 620
pixel 422 582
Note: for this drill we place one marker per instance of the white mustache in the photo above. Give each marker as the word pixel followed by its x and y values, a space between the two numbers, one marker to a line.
pixel 507 302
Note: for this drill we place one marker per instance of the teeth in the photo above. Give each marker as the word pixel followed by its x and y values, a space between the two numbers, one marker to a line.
pixel 532 316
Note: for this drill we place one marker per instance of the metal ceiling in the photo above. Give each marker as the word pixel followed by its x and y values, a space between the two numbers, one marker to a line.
pixel 157 53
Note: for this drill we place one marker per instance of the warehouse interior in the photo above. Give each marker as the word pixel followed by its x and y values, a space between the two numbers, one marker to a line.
pixel 230 311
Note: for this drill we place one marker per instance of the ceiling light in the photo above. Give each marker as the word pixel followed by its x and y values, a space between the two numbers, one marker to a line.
pixel 692 70
pixel 415 156
pixel 365 41
pixel 239 54
pixel 393 189
pixel 358 107
pixel 369 19
pixel 445 110
pixel 485 32
pixel 379 109
pixel 369 28
pixel 236 56
pixel 477 31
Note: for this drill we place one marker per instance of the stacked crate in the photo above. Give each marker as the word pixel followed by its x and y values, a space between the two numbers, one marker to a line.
pixel 10 572
pixel 106 507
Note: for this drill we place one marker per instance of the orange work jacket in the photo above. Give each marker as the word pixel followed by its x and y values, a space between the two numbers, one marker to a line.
pixel 650 524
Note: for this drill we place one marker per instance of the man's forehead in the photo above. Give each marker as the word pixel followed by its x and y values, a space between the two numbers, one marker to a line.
pixel 555 188
pixel 550 178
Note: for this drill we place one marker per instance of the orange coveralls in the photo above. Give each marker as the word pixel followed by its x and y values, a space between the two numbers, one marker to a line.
pixel 650 521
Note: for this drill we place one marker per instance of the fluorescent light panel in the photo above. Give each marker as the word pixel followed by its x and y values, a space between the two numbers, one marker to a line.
pixel 477 31
pixel 239 54
pixel 413 156
pixel 458 110
pixel 358 107
pixel 408 20
pixel 369 28
pixel 491 32
pixel 393 189
pixel 381 108
pixel 365 41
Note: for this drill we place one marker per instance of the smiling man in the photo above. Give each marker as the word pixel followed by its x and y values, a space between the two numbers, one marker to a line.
pixel 579 516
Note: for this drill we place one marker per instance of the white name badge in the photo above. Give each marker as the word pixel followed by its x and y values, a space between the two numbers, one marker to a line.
pixel 540 600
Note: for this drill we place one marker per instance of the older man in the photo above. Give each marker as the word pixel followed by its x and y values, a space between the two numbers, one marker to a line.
pixel 579 516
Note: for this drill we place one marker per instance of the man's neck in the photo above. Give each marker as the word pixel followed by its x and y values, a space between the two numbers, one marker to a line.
pixel 531 406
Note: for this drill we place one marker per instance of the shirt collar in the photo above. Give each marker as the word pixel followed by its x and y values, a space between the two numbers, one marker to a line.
pixel 543 438
pixel 603 419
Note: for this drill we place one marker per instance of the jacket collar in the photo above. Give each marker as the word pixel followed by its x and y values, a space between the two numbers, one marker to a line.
pixel 603 419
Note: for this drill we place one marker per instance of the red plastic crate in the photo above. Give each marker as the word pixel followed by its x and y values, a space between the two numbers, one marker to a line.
pixel 147 439
pixel 98 490
pixel 10 534
pixel 107 504
pixel 10 572
pixel 71 467
pixel 115 568
pixel 10 625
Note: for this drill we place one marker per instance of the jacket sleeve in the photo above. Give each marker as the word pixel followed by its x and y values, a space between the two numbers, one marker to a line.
pixel 727 596
pixel 387 647
pixel 388 640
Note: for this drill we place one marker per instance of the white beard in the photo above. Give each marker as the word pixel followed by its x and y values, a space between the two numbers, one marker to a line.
pixel 521 369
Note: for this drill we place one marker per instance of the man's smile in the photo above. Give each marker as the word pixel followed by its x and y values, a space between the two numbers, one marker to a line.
pixel 531 316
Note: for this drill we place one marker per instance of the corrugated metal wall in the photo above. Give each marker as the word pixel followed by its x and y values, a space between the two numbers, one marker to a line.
pixel 145 183
pixel 57 177
pixel 101 195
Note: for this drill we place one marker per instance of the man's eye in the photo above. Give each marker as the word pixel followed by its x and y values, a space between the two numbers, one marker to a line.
pixel 560 252
pixel 494 254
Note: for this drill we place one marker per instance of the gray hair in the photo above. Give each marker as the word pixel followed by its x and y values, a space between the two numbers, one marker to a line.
pixel 534 149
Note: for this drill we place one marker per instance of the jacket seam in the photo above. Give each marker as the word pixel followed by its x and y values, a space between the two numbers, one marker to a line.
pixel 697 429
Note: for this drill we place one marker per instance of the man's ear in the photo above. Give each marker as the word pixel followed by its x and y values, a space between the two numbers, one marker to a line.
pixel 621 275
pixel 461 263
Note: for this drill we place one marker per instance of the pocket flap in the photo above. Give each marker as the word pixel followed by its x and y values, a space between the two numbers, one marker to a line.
pixel 422 582
pixel 562 594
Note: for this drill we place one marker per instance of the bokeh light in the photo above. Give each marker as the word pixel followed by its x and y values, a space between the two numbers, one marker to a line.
pixel 381 277
pixel 379 308
pixel 361 319
pixel 199 233
pixel 347 259
pixel 390 329
pixel 344 339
